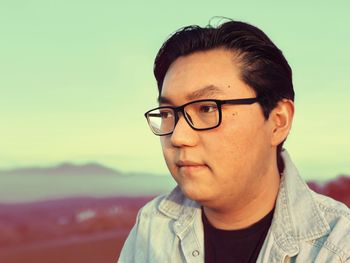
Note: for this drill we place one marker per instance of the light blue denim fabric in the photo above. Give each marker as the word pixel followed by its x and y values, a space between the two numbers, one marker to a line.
pixel 306 227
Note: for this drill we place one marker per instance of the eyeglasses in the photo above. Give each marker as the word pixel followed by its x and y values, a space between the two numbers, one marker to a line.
pixel 199 114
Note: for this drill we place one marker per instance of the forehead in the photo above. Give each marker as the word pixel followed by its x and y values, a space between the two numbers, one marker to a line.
pixel 205 74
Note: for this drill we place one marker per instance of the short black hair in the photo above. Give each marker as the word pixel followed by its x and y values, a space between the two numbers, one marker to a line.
pixel 263 66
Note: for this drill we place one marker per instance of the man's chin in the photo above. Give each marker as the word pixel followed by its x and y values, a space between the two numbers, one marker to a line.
pixel 195 195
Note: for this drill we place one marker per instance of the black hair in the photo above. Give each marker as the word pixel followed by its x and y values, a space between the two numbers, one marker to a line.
pixel 263 66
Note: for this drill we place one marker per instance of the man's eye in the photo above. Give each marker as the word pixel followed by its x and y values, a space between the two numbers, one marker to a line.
pixel 208 108
pixel 165 114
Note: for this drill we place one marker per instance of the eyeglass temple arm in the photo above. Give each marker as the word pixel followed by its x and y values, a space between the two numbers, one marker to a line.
pixel 240 101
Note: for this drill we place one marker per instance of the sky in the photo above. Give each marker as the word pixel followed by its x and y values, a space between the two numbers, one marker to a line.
pixel 76 77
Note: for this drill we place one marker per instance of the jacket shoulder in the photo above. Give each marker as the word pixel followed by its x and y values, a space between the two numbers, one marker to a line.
pixel 337 216
pixel 137 247
pixel 331 207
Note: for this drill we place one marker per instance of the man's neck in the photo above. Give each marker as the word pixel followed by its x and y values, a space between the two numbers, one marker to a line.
pixel 233 217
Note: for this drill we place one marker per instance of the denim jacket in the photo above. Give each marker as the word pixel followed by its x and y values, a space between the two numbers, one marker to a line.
pixel 306 227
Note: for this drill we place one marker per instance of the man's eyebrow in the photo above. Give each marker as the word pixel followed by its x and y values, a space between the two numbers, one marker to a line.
pixel 209 91
pixel 164 100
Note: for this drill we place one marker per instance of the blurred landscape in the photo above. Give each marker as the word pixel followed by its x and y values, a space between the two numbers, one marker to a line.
pixel 83 213
pixel 71 180
pixel 68 230
pixel 71 213
pixel 76 78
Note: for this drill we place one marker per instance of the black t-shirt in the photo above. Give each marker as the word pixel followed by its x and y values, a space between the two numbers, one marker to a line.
pixel 241 245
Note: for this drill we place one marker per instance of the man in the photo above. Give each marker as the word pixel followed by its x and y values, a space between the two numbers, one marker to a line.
pixel 225 109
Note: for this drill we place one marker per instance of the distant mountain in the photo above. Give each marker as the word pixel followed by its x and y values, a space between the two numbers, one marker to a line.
pixel 64 169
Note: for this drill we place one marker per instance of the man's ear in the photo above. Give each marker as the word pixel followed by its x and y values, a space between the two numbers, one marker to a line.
pixel 281 118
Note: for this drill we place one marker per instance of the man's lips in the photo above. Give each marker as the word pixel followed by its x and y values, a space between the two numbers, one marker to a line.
pixel 189 164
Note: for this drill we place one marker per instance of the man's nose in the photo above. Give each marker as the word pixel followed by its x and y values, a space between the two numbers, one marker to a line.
pixel 183 134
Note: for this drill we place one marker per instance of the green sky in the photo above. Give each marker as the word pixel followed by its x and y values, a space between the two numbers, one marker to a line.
pixel 76 78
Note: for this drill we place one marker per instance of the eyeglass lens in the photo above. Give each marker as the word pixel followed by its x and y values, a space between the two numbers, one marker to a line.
pixel 200 115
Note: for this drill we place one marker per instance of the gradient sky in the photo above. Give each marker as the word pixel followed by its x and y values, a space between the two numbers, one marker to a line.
pixel 76 78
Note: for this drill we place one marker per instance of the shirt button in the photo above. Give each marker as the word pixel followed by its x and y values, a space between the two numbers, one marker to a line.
pixel 195 253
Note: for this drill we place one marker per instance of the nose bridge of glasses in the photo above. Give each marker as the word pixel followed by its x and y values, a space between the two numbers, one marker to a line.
pixel 185 114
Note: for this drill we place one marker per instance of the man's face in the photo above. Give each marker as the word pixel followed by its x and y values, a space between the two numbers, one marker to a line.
pixel 227 163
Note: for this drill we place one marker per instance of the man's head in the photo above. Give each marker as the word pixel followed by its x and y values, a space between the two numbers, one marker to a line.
pixel 262 65
pixel 237 61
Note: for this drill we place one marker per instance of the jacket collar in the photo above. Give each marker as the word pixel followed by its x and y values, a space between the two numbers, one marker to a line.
pixel 175 204
pixel 180 208
pixel 297 216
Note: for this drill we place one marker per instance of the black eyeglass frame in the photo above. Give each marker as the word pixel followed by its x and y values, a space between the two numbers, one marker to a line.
pixel 219 103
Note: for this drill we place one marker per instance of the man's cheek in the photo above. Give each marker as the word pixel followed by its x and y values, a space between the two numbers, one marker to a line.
pixel 169 159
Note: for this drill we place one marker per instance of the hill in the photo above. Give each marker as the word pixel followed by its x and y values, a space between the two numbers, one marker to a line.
pixel 63 169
